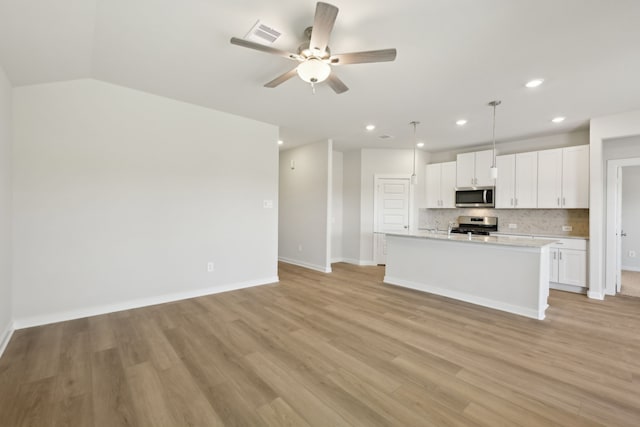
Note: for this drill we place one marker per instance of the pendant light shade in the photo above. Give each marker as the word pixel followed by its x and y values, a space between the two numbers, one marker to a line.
pixel 414 177
pixel 493 171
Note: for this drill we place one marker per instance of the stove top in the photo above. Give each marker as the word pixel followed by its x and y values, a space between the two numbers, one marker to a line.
pixel 482 225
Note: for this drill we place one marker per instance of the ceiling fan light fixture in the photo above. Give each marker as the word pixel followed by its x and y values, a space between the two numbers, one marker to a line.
pixel 314 70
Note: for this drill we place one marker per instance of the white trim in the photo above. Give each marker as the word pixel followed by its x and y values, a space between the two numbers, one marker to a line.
pixel 631 268
pixel 522 311
pixel 316 267
pixel 45 319
pixel 410 218
pixel 6 337
pixel 568 288
pixel 365 263
pixel 328 240
pixel 595 295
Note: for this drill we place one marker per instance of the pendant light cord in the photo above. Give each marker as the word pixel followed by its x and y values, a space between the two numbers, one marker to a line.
pixel 494 104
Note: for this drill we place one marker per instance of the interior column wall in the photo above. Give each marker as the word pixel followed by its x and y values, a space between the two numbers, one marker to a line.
pixel 6 312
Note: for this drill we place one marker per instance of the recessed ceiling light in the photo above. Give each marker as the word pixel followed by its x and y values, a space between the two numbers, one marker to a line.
pixel 461 122
pixel 534 83
pixel 420 144
pixel 558 119
pixel 280 142
pixel 370 127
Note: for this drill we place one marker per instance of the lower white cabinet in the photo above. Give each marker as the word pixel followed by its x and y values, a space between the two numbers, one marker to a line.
pixel 568 263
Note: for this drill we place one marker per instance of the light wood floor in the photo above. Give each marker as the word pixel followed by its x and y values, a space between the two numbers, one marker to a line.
pixel 630 283
pixel 329 349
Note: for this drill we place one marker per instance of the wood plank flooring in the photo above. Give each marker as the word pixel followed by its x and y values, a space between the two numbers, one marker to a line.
pixel 329 349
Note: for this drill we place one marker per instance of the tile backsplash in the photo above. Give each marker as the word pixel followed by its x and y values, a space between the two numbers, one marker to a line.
pixel 534 221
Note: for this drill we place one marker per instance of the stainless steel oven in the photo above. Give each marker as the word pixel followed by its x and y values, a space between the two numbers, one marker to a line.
pixel 475 197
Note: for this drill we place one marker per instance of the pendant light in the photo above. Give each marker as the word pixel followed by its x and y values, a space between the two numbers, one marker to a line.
pixel 493 172
pixel 414 177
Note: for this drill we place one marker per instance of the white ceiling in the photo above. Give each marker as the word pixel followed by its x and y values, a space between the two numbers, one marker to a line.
pixel 454 56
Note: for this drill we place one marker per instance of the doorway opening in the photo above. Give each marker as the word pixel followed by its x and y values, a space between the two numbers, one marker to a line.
pixel 623 227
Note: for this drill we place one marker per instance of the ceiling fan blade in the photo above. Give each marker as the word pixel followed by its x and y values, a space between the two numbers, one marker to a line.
pixel 382 55
pixel 282 78
pixel 336 84
pixel 263 48
pixel 322 25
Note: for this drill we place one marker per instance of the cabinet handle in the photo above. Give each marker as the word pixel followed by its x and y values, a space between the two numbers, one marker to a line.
pixel 558 201
pixel 516 201
pixel 560 255
pixel 512 201
pixel 564 202
pixel 554 255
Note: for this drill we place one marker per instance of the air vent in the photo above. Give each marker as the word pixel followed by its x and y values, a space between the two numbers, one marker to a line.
pixel 385 137
pixel 264 34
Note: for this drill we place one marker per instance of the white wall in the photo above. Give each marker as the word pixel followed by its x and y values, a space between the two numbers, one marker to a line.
pixel 352 195
pixel 386 161
pixel 305 206
pixel 630 216
pixel 568 139
pixel 601 131
pixel 121 198
pixel 6 316
pixel 337 197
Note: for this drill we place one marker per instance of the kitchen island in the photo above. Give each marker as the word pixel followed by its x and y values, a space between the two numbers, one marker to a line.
pixel 503 273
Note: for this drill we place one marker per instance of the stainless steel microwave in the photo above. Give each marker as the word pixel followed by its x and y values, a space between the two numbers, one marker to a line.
pixel 475 197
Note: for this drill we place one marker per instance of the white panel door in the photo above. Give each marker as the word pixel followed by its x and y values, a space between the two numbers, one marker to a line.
pixel 550 178
pixel 575 177
pixel 484 160
pixel 448 185
pixel 392 213
pixel 506 182
pixel 526 180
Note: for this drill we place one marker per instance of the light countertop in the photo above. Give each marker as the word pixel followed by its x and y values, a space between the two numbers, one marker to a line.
pixel 493 240
pixel 550 236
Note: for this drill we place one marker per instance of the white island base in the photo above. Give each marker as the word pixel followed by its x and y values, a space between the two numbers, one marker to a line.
pixel 504 274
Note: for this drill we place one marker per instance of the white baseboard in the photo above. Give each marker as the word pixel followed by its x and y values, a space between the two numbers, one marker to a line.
pixel 628 268
pixel 595 295
pixel 27 322
pixel 567 288
pixel 497 305
pixel 358 262
pixel 304 264
pixel 335 260
pixel 5 337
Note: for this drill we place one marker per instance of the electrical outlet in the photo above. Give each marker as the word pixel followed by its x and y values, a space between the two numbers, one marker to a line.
pixel 267 204
pixel 210 267
pixel 513 225
pixel 567 228
pixel 632 254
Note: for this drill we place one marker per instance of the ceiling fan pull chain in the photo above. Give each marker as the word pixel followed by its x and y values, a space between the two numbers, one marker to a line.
pixel 313 88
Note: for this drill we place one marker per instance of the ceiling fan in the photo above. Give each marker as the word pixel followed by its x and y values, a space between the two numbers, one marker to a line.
pixel 314 56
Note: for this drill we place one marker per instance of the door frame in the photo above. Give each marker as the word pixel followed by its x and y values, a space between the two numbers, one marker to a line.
pixel 613 222
pixel 376 180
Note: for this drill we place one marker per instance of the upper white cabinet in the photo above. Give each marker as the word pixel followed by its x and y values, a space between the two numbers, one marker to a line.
pixel 473 169
pixel 441 183
pixel 563 178
pixel 517 184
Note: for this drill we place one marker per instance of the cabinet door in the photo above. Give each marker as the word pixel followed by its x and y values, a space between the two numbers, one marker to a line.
pixel 550 178
pixel 575 177
pixel 448 185
pixel 505 184
pixel 484 160
pixel 572 267
pixel 433 185
pixel 526 180
pixel 553 264
pixel 465 170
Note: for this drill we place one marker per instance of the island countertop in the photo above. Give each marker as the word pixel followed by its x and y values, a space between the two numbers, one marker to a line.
pixel 492 240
